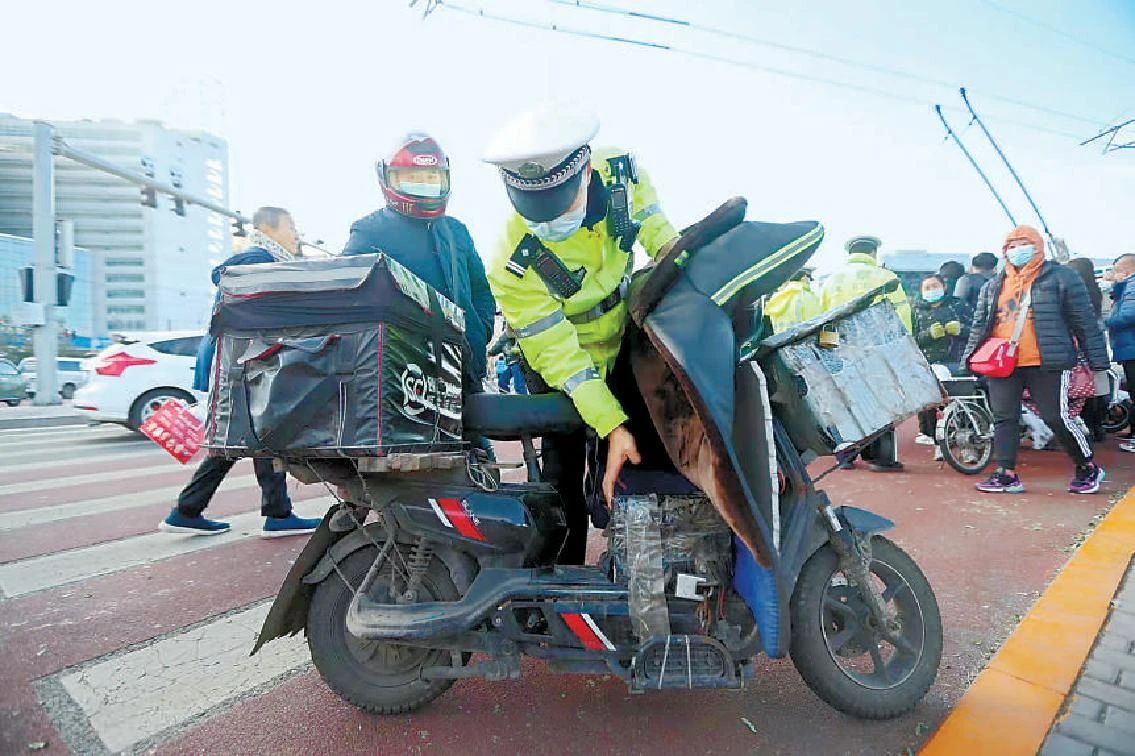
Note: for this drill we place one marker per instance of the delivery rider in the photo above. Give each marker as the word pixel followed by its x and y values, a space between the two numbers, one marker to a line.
pixel 560 277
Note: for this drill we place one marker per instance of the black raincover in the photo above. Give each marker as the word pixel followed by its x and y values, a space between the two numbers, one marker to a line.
pixel 350 356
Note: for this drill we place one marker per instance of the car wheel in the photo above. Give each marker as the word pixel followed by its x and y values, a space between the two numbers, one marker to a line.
pixel 149 403
pixel 12 402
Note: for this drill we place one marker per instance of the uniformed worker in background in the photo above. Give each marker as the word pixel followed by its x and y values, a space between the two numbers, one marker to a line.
pixel 560 277
pixel 859 275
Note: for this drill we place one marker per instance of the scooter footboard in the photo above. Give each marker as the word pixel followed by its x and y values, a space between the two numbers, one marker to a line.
pixel 492 587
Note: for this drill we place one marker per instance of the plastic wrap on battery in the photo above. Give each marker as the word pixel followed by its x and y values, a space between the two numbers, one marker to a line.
pixel 646 575
pixel 875 377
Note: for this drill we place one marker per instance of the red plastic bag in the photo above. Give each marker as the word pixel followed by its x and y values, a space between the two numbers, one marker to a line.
pixel 174 428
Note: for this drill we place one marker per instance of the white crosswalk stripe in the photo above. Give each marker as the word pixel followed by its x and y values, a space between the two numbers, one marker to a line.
pixel 46 459
pixel 18 435
pixel 134 696
pixel 24 518
pixel 53 570
pixel 48 482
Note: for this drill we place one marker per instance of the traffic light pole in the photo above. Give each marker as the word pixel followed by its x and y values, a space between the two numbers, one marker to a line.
pixel 59 147
pixel 45 338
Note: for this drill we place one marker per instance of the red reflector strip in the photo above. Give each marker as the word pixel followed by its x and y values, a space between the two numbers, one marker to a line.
pixel 588 634
pixel 461 519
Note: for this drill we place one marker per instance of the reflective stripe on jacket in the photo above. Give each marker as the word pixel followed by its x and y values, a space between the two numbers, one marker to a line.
pixel 576 356
pixel 861 274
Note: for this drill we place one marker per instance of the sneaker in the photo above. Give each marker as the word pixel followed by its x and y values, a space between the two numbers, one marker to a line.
pixel 278 527
pixel 1002 482
pixel 923 440
pixel 1088 479
pixel 1128 446
pixel 176 522
pixel 937 453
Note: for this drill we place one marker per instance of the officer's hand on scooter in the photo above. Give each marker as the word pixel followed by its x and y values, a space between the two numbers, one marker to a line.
pixel 621 448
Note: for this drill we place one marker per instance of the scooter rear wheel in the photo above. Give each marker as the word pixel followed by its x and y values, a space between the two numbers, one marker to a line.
pixel 379 677
pixel 843 657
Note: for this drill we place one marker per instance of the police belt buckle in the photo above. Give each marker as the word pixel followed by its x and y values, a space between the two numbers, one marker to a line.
pixel 610 302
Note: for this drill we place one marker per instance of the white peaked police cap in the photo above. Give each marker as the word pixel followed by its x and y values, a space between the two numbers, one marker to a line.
pixel 532 143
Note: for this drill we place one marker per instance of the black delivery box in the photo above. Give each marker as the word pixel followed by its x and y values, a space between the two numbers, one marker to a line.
pixel 347 356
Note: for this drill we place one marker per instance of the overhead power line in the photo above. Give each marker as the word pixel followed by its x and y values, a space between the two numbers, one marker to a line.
pixel 432 5
pixel 818 54
pixel 1060 32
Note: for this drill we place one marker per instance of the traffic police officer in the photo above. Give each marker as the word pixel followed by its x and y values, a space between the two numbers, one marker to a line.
pixel 560 277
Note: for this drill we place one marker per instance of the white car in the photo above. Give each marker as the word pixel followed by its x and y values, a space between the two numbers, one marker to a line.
pixel 133 377
pixel 70 375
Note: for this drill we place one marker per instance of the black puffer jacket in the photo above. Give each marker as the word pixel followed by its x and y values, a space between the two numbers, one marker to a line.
pixel 1061 312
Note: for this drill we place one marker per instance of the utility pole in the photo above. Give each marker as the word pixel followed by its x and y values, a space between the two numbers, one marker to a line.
pixel 45 338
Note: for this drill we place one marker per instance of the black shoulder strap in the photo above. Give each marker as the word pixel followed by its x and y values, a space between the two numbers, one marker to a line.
pixel 524 256
pixel 531 253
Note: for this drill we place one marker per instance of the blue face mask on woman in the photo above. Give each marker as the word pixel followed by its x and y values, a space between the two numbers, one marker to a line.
pixel 1019 256
pixel 934 295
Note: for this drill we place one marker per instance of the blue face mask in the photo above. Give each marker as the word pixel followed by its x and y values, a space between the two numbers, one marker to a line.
pixel 1019 256
pixel 558 229
pixel 934 295
pixel 420 189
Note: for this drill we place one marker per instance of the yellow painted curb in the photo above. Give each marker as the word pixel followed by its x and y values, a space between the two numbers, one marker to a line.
pixel 1013 703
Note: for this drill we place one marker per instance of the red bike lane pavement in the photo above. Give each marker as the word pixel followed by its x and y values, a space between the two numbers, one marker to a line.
pixel 987 557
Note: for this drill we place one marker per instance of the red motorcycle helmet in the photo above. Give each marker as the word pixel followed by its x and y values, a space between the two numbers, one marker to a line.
pixel 415 177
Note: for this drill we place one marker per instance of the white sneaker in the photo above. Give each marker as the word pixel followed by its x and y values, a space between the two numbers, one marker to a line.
pixel 923 440
pixel 937 453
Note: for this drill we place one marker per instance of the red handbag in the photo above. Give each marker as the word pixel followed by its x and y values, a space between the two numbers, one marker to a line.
pixel 997 357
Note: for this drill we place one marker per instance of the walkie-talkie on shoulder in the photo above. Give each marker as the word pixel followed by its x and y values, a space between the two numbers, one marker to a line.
pixel 620 224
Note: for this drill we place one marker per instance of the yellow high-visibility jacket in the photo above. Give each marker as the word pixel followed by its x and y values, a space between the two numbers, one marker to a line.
pixel 792 303
pixel 562 339
pixel 861 274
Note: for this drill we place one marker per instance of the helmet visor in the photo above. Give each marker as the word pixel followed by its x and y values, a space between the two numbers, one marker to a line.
pixel 428 183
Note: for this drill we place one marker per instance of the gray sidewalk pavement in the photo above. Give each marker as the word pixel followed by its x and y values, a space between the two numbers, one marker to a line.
pixel 1099 715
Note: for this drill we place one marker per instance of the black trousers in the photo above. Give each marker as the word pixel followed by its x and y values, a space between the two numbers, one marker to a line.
pixel 1129 375
pixel 1049 391
pixel 928 422
pixel 197 494
pixel 564 466
pixel 883 451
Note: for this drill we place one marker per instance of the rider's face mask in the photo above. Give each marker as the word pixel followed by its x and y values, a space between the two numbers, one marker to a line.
pixel 430 183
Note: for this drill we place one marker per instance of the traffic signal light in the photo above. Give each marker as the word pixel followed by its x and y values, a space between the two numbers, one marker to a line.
pixel 63 284
pixel 179 206
pixel 238 229
pixel 149 197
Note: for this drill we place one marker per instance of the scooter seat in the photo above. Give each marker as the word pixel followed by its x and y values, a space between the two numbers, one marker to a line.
pixel 507 417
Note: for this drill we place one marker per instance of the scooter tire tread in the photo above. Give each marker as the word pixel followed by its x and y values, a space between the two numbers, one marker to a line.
pixel 809 649
pixel 355 568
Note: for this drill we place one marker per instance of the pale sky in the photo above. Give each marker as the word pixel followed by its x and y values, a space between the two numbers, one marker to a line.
pixel 309 94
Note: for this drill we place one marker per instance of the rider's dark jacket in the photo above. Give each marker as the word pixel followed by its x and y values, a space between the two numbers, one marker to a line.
pixel 1062 316
pixel 426 247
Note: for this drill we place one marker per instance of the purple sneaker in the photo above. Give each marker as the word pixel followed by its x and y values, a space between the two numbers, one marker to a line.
pixel 1088 479
pixel 1002 482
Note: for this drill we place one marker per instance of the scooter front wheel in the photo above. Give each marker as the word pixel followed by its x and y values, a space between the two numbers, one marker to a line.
pixel 379 677
pixel 843 655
